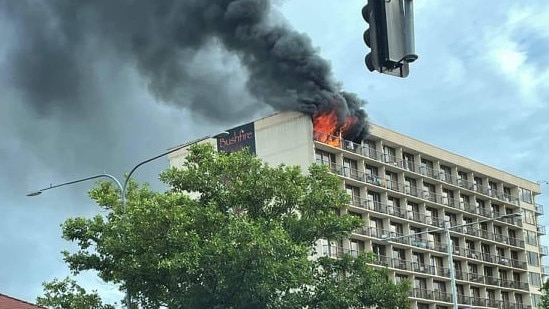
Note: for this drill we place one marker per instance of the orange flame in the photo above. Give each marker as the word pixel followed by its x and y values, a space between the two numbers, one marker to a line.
pixel 327 128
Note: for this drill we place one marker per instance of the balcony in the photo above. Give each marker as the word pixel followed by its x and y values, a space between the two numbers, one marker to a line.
pixel 516 242
pixel 475 277
pixel 541 229
pixel 545 270
pixel 543 250
pixel 518 263
pixel 421 293
pixel 539 209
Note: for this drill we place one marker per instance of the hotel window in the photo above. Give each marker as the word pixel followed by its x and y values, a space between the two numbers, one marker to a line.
pixel 389 154
pixel 507 194
pixel 531 237
pixel 418 261
pixel 447 197
pixel 502 274
pixel 356 246
pixel 505 297
pixel 370 149
pixel 464 201
pixel 535 279
pixel 408 161
pixel 371 174
pixel 391 180
pixel 354 192
pixel 437 265
pixel 350 168
pixel 477 184
pixel 526 195
pixel 393 203
pixel 374 200
pixel 450 217
pixel 486 256
pixel 376 227
pixel 491 295
pixel 412 210
pixel 492 188
pixel 410 186
pixel 496 210
pixel 379 250
pixel 475 292
pixel 471 252
pixel 428 191
pixel 426 167
pixel 431 215
pixel 396 229
pixel 420 283
pixel 488 271
pixel 518 299
pixel 324 157
pixel 529 216
pixel 462 179
pixel 445 173
pixel 455 244
pixel 533 258
pixel 481 206
pixel 439 287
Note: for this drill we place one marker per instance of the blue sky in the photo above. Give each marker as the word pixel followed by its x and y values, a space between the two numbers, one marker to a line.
pixel 480 88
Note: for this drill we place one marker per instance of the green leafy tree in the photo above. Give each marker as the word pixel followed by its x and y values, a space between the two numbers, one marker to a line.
pixel 67 294
pixel 544 302
pixel 242 238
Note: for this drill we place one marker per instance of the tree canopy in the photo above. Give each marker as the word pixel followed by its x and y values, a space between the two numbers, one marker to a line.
pixel 232 232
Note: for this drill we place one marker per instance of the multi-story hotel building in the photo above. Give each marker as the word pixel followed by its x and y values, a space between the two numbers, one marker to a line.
pixel 401 186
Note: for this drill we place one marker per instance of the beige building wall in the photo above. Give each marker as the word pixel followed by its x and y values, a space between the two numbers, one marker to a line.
pixel 514 244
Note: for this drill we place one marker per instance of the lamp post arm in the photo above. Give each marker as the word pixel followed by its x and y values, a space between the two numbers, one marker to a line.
pixel 82 180
pixel 127 180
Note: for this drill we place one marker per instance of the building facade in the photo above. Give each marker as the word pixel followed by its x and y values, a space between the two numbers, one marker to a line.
pixel 409 193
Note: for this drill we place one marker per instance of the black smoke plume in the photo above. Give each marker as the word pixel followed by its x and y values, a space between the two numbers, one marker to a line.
pixel 164 40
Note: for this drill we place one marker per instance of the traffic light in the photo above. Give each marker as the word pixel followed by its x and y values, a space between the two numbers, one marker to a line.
pixel 390 36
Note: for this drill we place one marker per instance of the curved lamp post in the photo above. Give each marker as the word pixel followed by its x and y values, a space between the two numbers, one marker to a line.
pixel 124 186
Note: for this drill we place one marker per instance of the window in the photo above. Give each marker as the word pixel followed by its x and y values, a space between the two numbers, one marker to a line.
pixel 324 157
pixel 535 279
pixel 492 188
pixel 507 194
pixel 431 215
pixel 505 297
pixel 392 204
pixel 464 201
pixel 445 173
pixel 450 217
pixel 354 193
pixel 439 287
pixel 529 216
pixel 374 200
pixel 376 226
pixel 475 292
pixel 396 229
pixel 426 167
pixel 355 247
pixel 350 168
pixel 389 154
pixel 536 299
pixel 420 283
pixel 410 186
pixel 447 197
pixel 518 298
pixel 462 179
pixel 418 261
pixel 531 237
pixel 370 149
pixel 412 210
pixel 379 250
pixel 526 195
pixel 437 264
pixel 400 278
pixel 408 161
pixel 477 184
pixel 391 180
pixel 428 191
pixel 371 174
pixel 533 258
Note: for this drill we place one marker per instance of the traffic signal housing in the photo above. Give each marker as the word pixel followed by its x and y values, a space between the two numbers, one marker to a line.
pixel 390 36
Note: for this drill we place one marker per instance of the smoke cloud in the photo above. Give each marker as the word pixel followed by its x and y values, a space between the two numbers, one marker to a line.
pixel 167 41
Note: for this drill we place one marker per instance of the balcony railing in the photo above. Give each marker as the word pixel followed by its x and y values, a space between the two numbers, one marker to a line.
pixel 543 250
pixel 539 209
pixel 419 169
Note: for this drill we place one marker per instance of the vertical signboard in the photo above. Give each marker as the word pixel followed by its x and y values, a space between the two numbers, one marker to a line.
pixel 239 138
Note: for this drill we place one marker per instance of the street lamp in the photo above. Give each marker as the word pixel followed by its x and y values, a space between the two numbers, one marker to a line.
pixel 447 228
pixel 123 187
